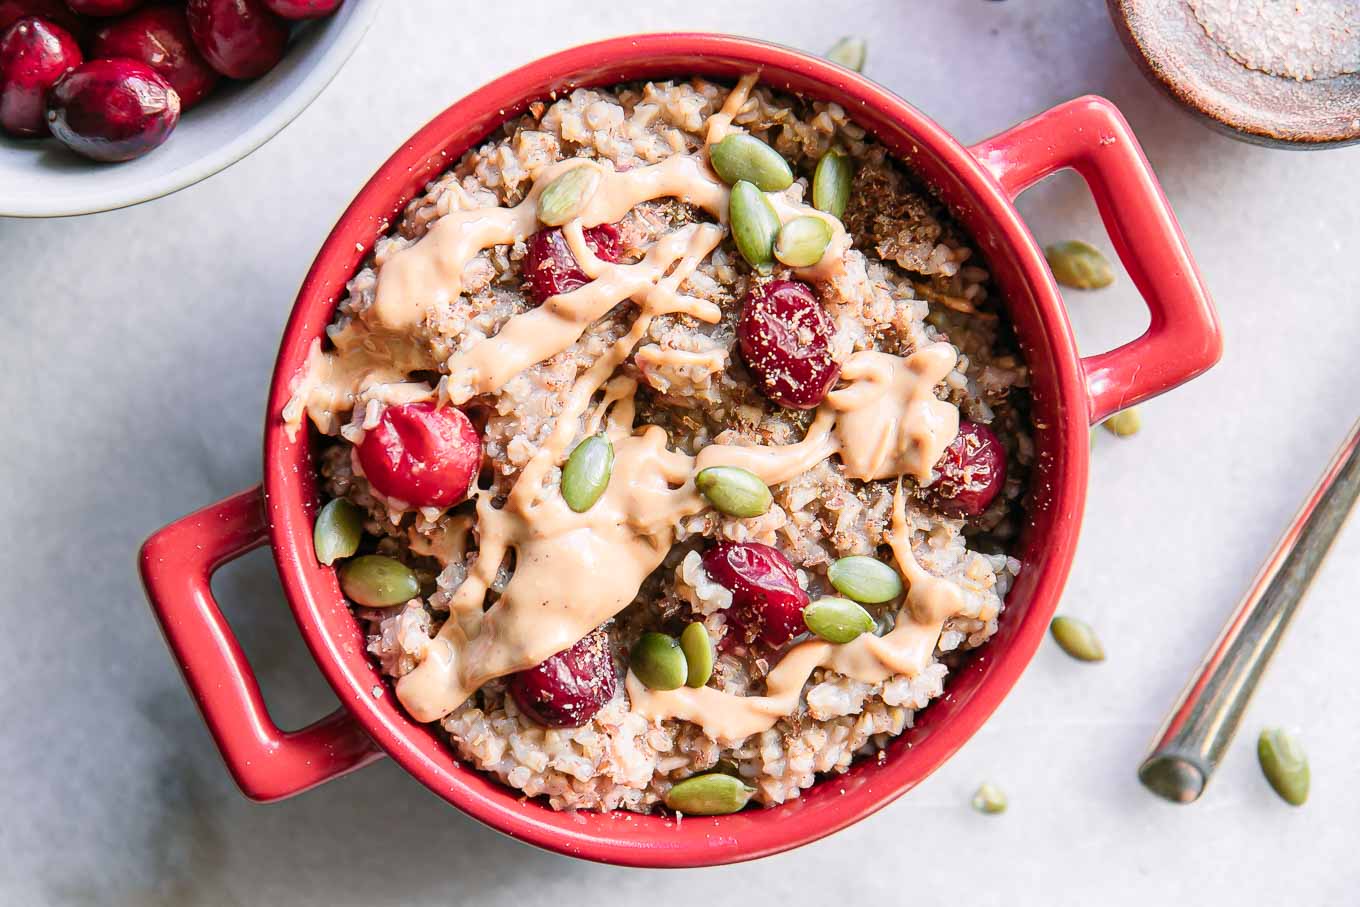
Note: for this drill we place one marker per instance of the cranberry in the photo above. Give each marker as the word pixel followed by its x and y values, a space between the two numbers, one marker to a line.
pixel 551 268
pixel 241 39
pixel 54 11
pixel 303 9
pixel 159 37
pixel 104 7
pixel 112 110
pixel 785 337
pixel 33 55
pixel 571 686
pixel 766 598
pixel 424 455
pixel 972 470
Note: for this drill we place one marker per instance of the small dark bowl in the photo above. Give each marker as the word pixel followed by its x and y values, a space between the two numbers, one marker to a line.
pixel 1178 56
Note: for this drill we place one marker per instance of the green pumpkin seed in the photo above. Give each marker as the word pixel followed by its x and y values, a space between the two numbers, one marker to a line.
pixel 378 582
pixel 849 52
pixel 734 491
pixel 989 799
pixel 1077 639
pixel 802 241
pixel 837 620
pixel 1125 423
pixel 713 794
pixel 754 225
pixel 699 655
pixel 744 157
pixel 865 579
pixel 1079 265
pixel 658 661
pixel 831 183
pixel 1285 764
pixel 339 527
pixel 567 195
pixel 586 475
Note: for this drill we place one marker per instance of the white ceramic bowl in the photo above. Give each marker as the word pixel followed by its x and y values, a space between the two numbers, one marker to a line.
pixel 44 179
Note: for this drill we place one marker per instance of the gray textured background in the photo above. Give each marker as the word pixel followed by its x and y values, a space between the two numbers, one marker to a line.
pixel 137 347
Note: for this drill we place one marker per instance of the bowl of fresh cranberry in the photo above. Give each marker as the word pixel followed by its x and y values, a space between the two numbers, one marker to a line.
pixel 107 103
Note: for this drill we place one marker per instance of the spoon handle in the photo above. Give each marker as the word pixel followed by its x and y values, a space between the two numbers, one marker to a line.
pixel 1201 725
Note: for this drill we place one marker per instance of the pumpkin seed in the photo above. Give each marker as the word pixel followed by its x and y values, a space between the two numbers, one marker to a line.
pixel 699 654
pixel 744 157
pixel 802 241
pixel 713 794
pixel 831 183
pixel 837 620
pixel 378 582
pixel 1077 639
pixel 1285 764
pixel 1079 265
pixel 586 474
pixel 734 491
pixel 339 527
pixel 567 195
pixel 754 225
pixel 658 661
pixel 850 52
pixel 1125 423
pixel 989 799
pixel 865 579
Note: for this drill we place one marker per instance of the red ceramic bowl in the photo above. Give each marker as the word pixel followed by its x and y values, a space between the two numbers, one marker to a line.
pixel 1069 394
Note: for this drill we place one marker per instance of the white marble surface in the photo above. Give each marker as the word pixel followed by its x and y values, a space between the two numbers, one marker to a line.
pixel 136 349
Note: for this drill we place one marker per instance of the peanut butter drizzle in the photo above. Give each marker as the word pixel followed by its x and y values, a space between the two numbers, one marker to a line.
pixel 428 275
pixel 720 123
pixel 907 650
pixel 574 571
pixel 889 421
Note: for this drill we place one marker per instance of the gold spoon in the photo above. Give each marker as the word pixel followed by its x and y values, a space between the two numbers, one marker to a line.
pixel 1202 723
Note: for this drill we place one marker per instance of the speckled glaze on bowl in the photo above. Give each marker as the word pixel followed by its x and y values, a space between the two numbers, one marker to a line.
pixel 43 179
pixel 1069 394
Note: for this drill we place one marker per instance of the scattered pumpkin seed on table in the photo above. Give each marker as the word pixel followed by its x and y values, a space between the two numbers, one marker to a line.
pixel 802 241
pixel 989 799
pixel 865 579
pixel 831 183
pixel 734 491
pixel 712 794
pixel 339 527
pixel 378 582
pixel 1124 423
pixel 1285 764
pixel 849 52
pixel 659 662
pixel 699 654
pixel 1077 639
pixel 586 473
pixel 754 225
pixel 837 620
pixel 567 195
pixel 1079 265
pixel 740 157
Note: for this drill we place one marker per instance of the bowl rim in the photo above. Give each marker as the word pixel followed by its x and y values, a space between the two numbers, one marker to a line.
pixel 332 635
pixel 327 67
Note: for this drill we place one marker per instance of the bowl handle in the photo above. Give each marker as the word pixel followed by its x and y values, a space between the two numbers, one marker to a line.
pixel 1089 135
pixel 177 564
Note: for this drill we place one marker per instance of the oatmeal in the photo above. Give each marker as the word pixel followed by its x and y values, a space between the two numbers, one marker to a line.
pixel 624 417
